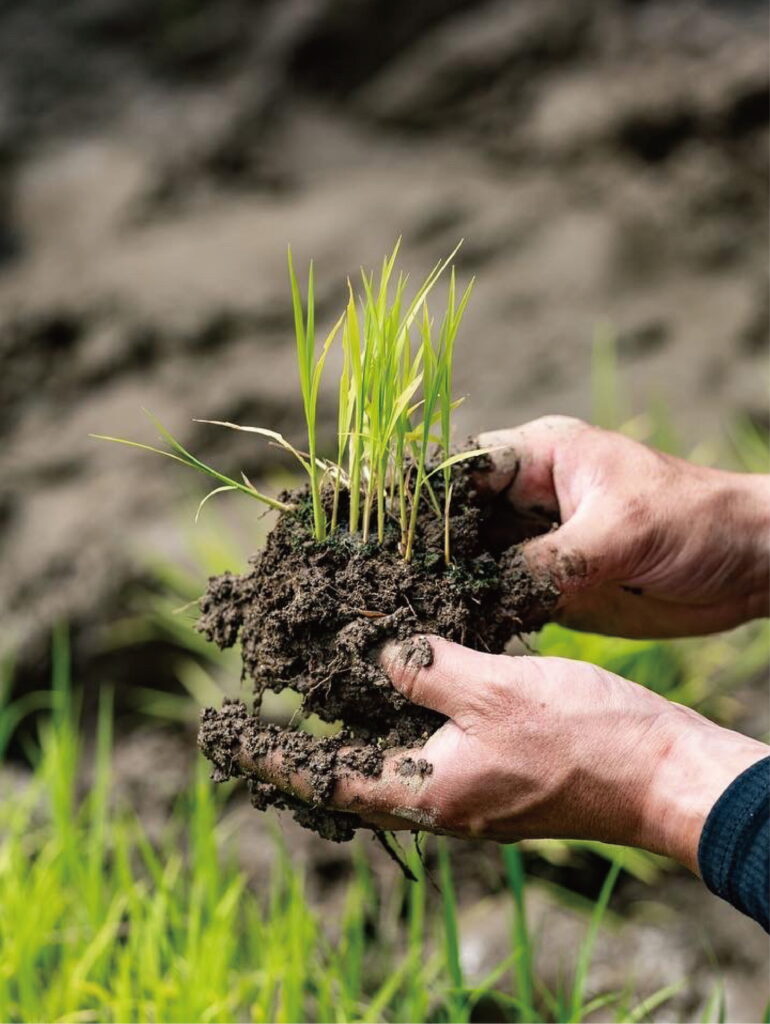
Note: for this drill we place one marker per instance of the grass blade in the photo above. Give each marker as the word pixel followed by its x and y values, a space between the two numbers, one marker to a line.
pixel 587 946
pixel 522 942
pixel 217 490
pixel 264 432
pixel 457 1003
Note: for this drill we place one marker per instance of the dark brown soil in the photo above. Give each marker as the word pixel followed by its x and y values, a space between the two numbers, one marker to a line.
pixel 311 616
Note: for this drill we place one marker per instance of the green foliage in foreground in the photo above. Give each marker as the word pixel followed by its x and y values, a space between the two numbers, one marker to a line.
pixel 99 924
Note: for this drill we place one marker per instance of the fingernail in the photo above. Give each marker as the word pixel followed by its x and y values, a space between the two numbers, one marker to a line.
pixel 387 653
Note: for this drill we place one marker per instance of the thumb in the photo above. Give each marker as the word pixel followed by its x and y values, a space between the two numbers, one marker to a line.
pixel 437 673
pixel 522 461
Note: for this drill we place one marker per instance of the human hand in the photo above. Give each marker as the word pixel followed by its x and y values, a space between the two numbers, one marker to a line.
pixel 539 747
pixel 649 545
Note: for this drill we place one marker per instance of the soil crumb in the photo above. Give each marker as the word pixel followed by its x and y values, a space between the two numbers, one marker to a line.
pixel 309 615
pixel 417 652
pixel 410 768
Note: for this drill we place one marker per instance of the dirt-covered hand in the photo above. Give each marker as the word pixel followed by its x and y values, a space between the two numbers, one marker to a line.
pixel 542 747
pixel 648 545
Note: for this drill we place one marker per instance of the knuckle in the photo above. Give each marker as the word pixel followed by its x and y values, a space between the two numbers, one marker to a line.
pixel 494 704
pixel 558 422
pixel 493 699
pixel 408 680
pixel 517 672
pixel 496 437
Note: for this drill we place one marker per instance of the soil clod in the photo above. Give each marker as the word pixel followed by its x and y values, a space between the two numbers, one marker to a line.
pixel 299 613
pixel 410 768
pixel 417 652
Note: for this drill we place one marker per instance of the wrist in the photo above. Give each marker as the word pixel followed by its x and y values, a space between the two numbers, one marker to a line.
pixel 696 763
pixel 741 522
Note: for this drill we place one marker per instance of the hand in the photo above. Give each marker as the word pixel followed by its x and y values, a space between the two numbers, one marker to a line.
pixel 649 545
pixel 541 747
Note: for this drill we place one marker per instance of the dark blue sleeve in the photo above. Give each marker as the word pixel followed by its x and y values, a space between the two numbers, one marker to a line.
pixel 734 848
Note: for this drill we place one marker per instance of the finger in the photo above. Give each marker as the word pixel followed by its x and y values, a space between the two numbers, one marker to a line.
pixel 523 462
pixel 580 577
pixel 405 795
pixel 571 558
pixel 390 792
pixel 619 611
pixel 438 674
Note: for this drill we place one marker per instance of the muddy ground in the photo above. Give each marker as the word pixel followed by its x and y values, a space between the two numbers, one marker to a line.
pixel 603 160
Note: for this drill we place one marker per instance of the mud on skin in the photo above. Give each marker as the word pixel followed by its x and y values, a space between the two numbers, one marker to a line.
pixel 311 616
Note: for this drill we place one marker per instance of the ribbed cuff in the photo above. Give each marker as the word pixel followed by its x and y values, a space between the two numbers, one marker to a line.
pixel 734 847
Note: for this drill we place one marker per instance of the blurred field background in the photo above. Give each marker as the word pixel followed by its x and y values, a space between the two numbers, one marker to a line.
pixel 606 163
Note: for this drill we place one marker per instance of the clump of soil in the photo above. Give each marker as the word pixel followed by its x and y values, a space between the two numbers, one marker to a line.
pixel 311 616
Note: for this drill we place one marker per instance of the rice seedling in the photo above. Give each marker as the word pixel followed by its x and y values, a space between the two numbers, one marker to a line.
pixel 394 409
pixel 180 454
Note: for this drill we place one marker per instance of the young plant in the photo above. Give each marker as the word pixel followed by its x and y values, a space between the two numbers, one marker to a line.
pixel 353 437
pixel 437 406
pixel 449 328
pixel 388 381
pixel 310 372
pixel 180 454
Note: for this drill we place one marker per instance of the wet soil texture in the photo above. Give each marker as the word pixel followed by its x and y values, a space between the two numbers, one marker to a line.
pixel 311 616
